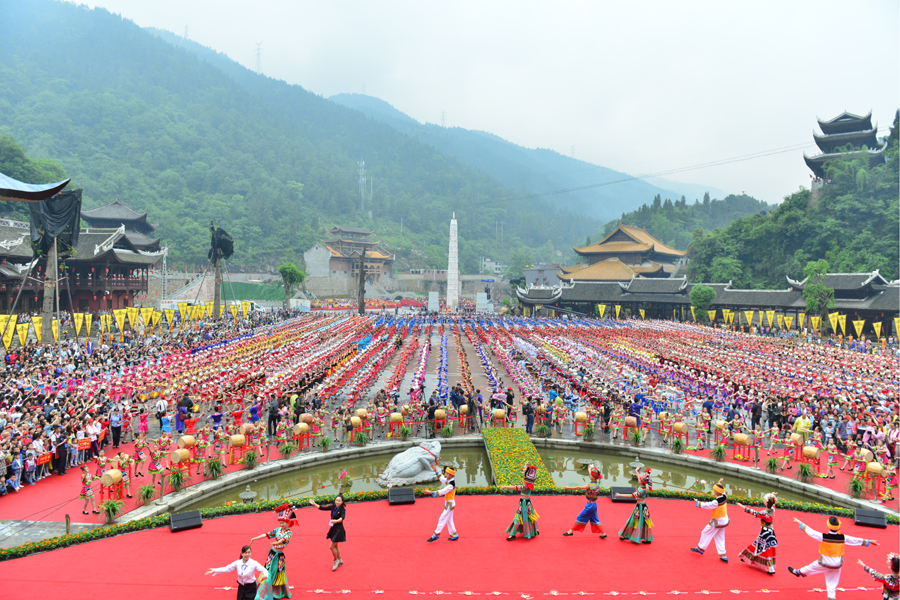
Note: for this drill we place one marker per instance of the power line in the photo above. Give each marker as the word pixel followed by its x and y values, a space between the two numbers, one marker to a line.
pixel 714 163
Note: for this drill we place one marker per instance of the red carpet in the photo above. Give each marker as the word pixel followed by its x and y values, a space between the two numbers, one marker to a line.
pixel 387 551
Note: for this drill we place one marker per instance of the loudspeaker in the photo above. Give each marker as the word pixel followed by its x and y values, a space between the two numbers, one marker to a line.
pixel 402 495
pixel 185 520
pixel 622 490
pixel 870 518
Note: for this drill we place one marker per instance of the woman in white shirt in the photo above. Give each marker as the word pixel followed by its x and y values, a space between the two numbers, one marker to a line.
pixel 246 568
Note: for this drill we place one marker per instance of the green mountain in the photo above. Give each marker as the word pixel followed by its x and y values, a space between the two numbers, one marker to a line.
pixel 189 140
pixel 852 223
pixel 674 222
pixel 535 170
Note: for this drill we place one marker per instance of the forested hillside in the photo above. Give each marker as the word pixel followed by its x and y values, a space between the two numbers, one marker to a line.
pixel 674 222
pixel 853 224
pixel 130 116
pixel 536 170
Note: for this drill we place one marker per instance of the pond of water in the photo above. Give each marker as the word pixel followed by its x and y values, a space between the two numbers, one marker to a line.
pixel 358 475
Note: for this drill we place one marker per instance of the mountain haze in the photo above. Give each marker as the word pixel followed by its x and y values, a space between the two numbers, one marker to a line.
pixel 533 170
pixel 130 116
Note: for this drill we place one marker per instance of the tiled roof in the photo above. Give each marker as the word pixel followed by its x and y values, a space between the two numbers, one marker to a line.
pixel 641 238
pixel 845 281
pixel 14 241
pixel 135 258
pixel 574 268
pixel 357 230
pixel 140 240
pixel 611 269
pixel 114 211
pixel 655 286
pixel 614 247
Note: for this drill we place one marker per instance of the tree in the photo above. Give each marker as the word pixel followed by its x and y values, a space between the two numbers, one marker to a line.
pixel 518 262
pixel 818 297
pixel 701 299
pixel 587 242
pixel 290 276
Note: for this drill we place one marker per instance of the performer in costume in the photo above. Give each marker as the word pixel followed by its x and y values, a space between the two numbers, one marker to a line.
pixel 140 454
pixel 87 494
pixel 831 553
pixel 639 525
pixel 589 513
pixel 155 467
pixel 890 581
pixel 275 583
pixel 449 493
pixel 246 569
pixel 336 533
pixel 762 551
pixel 525 520
pixel 715 529
pixel 124 463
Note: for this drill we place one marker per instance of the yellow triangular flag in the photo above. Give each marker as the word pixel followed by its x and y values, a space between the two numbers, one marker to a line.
pixel 833 319
pixel 54 326
pixel 770 314
pixel 78 319
pixel 22 330
pixel 842 321
pixel 814 322
pixel 642 312
pixel 712 316
pixel 618 309
pixel 88 318
pixel 182 310
pixel 749 315
pixel 170 317
pixel 147 313
pixel 38 323
pixel 858 326
pixel 780 321
pixel 9 330
pixel 801 319
pixel 234 311
pixel 693 316
pixel 787 321
pixel 119 314
pixel 601 308
pixel 132 312
pixel 877 327
pixel 221 310
pixel 208 306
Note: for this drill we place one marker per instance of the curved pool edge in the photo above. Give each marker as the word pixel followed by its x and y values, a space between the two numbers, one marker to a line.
pixel 174 502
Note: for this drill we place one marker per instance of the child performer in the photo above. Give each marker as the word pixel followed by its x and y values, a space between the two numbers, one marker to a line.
pixel 833 453
pixel 762 551
pixel 123 463
pixel 140 454
pixel 449 493
pixel 336 533
pixel 589 513
pixel 715 529
pixel 831 553
pixel 891 581
pixel 87 494
pixel 638 526
pixel 525 519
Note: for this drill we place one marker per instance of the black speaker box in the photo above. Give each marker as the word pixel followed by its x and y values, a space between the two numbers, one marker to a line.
pixel 402 495
pixel 870 518
pixel 184 521
pixel 622 490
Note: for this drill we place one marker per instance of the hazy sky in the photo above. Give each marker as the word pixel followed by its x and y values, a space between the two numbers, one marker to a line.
pixel 641 87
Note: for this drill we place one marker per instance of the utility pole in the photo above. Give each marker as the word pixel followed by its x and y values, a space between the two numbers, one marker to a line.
pixel 51 284
pixel 362 182
pixel 258 57
pixel 401 226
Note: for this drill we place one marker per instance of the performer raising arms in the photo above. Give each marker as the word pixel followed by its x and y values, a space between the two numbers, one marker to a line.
pixel 276 583
pixel 589 513
pixel 715 529
pixel 525 520
pixel 449 493
pixel 890 581
pixel 336 532
pixel 831 553
pixel 246 568
pixel 638 526
pixel 762 550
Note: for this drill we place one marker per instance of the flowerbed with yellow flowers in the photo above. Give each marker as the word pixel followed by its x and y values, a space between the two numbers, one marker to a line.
pixel 239 509
pixel 510 449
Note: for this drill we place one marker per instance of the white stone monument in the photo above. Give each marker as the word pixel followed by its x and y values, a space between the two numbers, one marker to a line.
pixel 453 269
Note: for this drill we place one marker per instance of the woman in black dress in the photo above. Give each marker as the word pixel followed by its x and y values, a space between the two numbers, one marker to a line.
pixel 336 532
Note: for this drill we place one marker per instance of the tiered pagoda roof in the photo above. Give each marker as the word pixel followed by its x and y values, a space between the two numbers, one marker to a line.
pixel 845 131
pixel 117 213
pixel 628 240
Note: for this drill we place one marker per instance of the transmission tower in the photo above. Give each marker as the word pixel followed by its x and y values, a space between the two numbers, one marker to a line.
pixel 258 58
pixel 362 182
pixel 443 118
pixel 185 32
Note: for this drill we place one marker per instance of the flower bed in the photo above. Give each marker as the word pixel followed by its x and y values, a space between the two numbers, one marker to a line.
pixel 509 450
pixel 242 509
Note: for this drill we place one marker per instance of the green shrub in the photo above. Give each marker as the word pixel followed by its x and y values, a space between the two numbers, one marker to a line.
pixel 325 442
pixel 287 449
pixel 447 431
pixel 805 472
pixel 678 446
pixel 718 452
pixel 178 480
pixel 542 431
pixel 213 468
pixel 772 465
pixel 111 509
pixel 589 433
pixel 251 459
pixel 147 493
pixel 857 487
pixel 361 439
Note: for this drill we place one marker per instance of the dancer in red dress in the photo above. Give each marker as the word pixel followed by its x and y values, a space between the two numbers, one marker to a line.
pixel 762 551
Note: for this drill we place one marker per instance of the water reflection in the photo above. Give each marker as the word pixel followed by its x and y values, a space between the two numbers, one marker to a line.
pixel 566 468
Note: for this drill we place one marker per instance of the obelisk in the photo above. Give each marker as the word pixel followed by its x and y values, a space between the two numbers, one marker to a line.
pixel 453 268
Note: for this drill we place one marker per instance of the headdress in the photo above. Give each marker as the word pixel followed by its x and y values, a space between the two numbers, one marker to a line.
pixel 450 471
pixel 530 475
pixel 770 499
pixel 645 479
pixel 834 524
pixel 286 515
pixel 595 473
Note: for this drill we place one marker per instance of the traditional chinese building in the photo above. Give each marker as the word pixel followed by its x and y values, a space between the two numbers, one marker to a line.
pixel 340 255
pixel 108 269
pixel 140 233
pixel 625 253
pixel 846 134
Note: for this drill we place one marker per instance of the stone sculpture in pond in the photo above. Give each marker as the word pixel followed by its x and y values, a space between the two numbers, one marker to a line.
pixel 412 466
